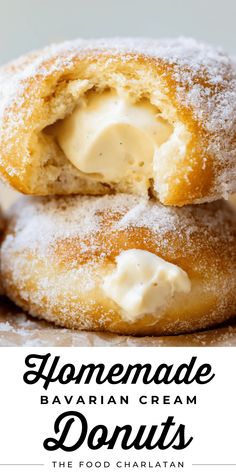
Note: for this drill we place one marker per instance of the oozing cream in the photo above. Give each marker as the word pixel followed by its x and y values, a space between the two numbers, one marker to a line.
pixel 143 283
pixel 110 137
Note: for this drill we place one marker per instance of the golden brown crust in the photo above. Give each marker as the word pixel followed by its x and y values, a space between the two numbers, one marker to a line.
pixel 197 82
pixel 18 329
pixel 57 252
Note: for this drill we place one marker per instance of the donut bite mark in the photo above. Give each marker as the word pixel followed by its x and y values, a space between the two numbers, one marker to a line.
pixel 134 116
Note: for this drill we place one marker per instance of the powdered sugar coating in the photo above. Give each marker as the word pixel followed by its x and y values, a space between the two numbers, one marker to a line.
pixel 57 251
pixel 196 66
pixel 41 222
pixel 17 329
pixel 204 79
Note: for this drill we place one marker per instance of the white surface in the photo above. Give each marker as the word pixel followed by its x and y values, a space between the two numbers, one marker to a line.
pixel 28 24
pixel 25 424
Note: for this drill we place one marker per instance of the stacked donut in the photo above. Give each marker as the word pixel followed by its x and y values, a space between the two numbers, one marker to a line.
pixel 127 149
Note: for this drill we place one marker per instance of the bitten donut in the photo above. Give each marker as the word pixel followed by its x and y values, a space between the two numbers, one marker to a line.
pixel 146 117
pixel 121 263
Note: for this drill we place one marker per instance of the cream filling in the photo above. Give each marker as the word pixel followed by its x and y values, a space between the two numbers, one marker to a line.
pixel 143 283
pixel 111 138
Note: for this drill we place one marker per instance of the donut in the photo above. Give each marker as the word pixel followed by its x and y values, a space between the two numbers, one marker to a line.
pixel 18 329
pixel 121 263
pixel 140 116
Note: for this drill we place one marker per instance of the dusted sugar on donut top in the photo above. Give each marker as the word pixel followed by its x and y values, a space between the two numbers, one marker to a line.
pixel 121 263
pixel 146 117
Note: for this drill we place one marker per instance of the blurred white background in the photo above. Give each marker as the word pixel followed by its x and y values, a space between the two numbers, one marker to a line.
pixel 29 24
